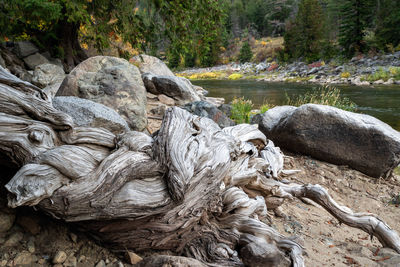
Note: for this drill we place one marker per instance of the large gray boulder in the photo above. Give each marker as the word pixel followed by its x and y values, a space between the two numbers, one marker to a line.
pixel 334 135
pixel 150 64
pixel 47 74
pixel 180 89
pixel 113 82
pixel 88 113
pixel 206 109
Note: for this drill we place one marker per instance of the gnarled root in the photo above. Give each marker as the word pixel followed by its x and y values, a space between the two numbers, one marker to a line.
pixel 194 189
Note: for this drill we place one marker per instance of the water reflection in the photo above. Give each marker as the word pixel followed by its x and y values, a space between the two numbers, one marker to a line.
pixel 382 102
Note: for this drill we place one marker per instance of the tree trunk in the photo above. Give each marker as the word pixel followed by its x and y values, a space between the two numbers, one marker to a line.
pixel 73 53
pixel 194 189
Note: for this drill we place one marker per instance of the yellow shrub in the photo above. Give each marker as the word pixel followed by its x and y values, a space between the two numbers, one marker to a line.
pixel 394 70
pixel 235 76
pixel 204 75
pixel 263 43
pixel 345 74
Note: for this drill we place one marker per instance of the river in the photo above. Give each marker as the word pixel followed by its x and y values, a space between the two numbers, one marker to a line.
pixel 382 102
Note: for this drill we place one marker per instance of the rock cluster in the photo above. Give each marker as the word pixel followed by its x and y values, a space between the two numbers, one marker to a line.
pixel 351 72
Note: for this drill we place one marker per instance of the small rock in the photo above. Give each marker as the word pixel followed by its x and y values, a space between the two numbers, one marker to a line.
pixel 24 49
pixel 81 258
pixel 6 221
pixel 31 246
pixel 159 110
pixel 151 96
pixel 166 100
pixel 60 257
pixel 73 237
pixel 47 74
pixel 101 264
pixel 29 224
pixel 71 261
pixel 133 258
pixel 23 258
pixel 3 263
pixel 14 239
pixel 41 261
pixel 35 60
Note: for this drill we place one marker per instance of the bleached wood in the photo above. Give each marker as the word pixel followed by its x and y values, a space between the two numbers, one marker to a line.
pixel 194 189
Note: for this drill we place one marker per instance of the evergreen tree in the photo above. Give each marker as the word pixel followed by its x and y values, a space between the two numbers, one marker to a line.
pixel 245 54
pixel 356 16
pixel 304 35
pixel 188 26
pixel 388 23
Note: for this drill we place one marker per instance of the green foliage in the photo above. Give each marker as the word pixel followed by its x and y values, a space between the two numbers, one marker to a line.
pixel 395 199
pixel 241 109
pixel 381 74
pixel 387 23
pixel 245 53
pixel 356 16
pixel 235 76
pixel 264 107
pixel 325 95
pixel 304 34
pixel 259 17
pixel 397 170
pixel 192 30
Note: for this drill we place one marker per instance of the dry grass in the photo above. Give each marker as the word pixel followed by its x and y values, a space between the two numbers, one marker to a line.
pixel 263 49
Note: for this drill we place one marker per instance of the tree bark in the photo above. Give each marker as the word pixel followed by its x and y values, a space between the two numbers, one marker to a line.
pixel 194 189
pixel 73 52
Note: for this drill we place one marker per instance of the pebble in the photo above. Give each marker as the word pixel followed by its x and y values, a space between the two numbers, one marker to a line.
pixel 6 221
pixel 14 239
pixel 73 237
pixel 166 100
pixel 71 261
pixel 81 258
pixel 23 258
pixel 31 246
pixel 60 257
pixel 133 258
pixel 3 263
pixel 101 264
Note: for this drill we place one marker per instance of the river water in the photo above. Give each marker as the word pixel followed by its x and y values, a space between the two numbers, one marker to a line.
pixel 382 102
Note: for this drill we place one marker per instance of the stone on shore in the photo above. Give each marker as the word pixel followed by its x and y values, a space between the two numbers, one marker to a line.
pixel 206 109
pixel 334 135
pixel 180 89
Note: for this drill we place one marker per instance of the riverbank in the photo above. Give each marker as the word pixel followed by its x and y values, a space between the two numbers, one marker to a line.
pixel 361 70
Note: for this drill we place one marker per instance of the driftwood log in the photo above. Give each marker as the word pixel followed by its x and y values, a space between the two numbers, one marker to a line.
pixel 193 188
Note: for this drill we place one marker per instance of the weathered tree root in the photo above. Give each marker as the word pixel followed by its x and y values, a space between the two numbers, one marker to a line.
pixel 193 189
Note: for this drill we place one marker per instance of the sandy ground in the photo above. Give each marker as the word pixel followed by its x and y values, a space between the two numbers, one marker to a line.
pixel 326 242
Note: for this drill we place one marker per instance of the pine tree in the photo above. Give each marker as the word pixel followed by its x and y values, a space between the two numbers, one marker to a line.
pixel 245 54
pixel 356 16
pixel 190 26
pixel 304 35
pixel 388 23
